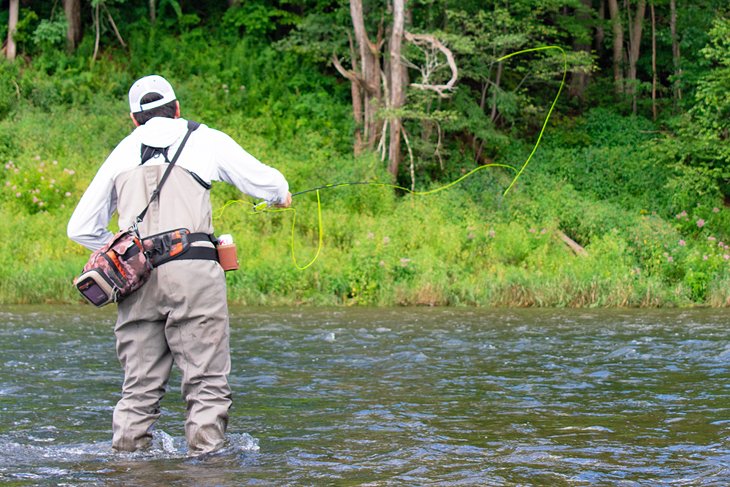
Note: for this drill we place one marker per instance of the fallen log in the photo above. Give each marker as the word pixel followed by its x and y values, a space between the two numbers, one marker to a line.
pixel 572 244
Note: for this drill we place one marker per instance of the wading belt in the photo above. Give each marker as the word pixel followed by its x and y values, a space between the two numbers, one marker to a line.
pixel 175 245
pixel 200 253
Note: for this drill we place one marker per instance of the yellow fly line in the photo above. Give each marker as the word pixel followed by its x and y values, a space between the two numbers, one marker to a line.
pixel 263 207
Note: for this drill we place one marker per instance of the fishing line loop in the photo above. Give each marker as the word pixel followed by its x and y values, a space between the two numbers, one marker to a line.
pixel 263 207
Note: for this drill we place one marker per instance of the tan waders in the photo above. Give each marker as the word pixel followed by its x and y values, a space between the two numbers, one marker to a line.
pixel 180 315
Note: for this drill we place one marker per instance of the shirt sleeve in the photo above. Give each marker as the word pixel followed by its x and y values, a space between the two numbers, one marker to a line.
pixel 245 172
pixel 89 221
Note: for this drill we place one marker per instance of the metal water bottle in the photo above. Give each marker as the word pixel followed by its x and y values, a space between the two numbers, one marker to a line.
pixel 227 256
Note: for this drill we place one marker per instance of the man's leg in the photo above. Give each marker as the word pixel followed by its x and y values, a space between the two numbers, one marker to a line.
pixel 198 335
pixel 143 352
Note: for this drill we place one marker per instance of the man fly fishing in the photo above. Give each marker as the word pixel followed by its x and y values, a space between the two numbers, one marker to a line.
pixel 180 314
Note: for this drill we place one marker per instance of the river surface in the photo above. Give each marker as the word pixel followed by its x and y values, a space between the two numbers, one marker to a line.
pixel 385 397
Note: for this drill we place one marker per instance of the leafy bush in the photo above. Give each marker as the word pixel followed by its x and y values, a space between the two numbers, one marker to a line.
pixel 611 158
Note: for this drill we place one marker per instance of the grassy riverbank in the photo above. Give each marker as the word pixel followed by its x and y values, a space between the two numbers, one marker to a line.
pixel 654 234
pixel 464 246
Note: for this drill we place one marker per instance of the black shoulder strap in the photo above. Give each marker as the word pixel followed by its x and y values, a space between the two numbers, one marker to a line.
pixel 192 127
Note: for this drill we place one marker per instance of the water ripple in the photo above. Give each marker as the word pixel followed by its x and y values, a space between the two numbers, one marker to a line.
pixel 390 397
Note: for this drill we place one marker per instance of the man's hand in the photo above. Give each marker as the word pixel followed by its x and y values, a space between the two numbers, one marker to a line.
pixel 286 203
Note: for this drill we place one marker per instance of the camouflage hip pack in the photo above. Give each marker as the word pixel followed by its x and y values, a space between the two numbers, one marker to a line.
pixel 115 271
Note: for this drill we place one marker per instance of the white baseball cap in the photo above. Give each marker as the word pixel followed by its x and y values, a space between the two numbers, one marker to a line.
pixel 146 85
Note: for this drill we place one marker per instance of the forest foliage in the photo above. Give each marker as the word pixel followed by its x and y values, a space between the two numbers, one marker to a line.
pixel 633 170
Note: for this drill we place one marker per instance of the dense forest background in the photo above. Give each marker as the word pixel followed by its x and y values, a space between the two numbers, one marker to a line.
pixel 626 202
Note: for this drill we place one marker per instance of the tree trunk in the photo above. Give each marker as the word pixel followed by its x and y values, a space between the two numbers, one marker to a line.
pixel 618 45
pixel 10 51
pixel 72 9
pixel 676 86
pixel 579 81
pixel 397 85
pixel 635 30
pixel 371 73
pixel 365 77
pixel 653 63
pixel 600 33
pixel 375 86
pixel 153 11
pixel 357 97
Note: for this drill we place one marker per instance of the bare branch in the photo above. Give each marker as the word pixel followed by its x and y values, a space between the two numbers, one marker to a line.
pixel 383 137
pixel 409 64
pixel 97 26
pixel 379 38
pixel 114 27
pixel 351 75
pixel 429 40
pixel 438 146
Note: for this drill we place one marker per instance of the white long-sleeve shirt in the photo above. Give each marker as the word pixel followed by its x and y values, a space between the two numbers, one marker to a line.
pixel 208 153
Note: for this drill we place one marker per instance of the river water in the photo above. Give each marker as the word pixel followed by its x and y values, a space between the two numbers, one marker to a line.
pixel 382 397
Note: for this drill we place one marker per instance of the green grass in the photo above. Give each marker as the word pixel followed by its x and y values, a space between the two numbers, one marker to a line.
pixel 603 180
pixel 379 249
